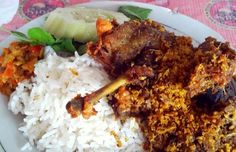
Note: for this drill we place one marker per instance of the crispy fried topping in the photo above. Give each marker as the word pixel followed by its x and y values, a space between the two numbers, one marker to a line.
pixel 167 105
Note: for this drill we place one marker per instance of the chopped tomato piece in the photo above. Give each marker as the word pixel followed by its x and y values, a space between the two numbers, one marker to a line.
pixel 36 48
pixel 9 70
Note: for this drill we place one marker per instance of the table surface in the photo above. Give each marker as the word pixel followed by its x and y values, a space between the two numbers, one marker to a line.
pixel 220 15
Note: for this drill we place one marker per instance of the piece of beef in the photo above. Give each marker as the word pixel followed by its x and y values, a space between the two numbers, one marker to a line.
pixel 215 65
pixel 217 99
pixel 164 104
pixel 123 43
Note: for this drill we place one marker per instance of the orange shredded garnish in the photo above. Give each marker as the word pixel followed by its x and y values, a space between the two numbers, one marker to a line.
pixel 103 25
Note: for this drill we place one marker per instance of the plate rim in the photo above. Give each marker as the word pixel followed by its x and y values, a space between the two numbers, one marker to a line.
pixel 113 3
pixel 141 4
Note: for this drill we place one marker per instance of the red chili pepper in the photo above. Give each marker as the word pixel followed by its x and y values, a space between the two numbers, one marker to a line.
pixel 36 48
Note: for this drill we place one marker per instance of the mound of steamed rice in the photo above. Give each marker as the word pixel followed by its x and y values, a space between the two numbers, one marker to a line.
pixel 47 124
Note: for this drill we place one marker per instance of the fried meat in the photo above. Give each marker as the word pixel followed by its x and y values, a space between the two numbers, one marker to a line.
pixel 123 43
pixel 166 106
pixel 170 107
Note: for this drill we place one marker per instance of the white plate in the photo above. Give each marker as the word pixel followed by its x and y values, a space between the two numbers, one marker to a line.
pixel 12 140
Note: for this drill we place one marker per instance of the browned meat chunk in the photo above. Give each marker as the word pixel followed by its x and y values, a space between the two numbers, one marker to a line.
pixel 169 116
pixel 167 105
pixel 123 43
pixel 215 66
pixel 85 104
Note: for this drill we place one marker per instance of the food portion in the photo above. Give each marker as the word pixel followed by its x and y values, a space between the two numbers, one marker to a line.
pixel 47 124
pixel 17 64
pixel 167 105
pixel 215 66
pixel 85 104
pixel 128 85
pixel 38 36
pixel 123 43
pixel 171 119
pixel 78 23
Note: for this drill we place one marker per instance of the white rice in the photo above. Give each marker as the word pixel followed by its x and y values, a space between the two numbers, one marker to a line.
pixel 47 124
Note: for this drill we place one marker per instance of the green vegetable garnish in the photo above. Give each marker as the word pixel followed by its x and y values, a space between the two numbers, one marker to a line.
pixel 40 36
pixel 37 35
pixel 134 12
pixel 69 45
pixel 20 36
pixel 57 47
pixel 65 44
pixel 82 49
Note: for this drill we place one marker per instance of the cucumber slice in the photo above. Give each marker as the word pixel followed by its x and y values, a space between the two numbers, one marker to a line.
pixel 78 23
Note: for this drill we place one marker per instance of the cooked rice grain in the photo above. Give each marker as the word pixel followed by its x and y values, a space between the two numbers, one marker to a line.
pixel 47 124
